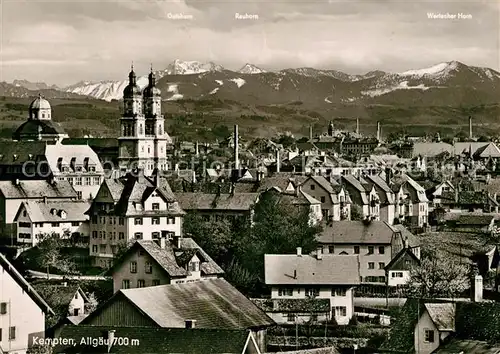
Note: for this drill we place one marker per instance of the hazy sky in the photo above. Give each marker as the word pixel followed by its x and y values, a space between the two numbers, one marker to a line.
pixel 63 42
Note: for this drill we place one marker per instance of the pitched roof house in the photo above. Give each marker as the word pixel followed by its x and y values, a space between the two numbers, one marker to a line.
pixel 376 243
pixel 22 308
pixel 132 207
pixel 159 340
pixel 213 304
pixel 151 263
pixel 298 277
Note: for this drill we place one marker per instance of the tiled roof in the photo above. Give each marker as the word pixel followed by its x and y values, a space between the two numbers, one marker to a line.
pixel 19 279
pixel 51 211
pixel 58 296
pixel 34 127
pixel 137 189
pixel 213 303
pixel 169 257
pixel 465 346
pixel 464 147
pixel 80 153
pixel 431 149
pixel 388 195
pixel 330 350
pixel 115 187
pixel 93 142
pixel 357 185
pixel 19 152
pixel 357 232
pixel 205 201
pixel 398 256
pixel 157 340
pixel 413 240
pixel 443 315
pixel 284 269
pixel 37 189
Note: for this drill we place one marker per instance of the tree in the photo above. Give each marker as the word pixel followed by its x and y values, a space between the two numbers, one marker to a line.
pixel 278 228
pixel 438 275
pixel 50 256
pixel 92 304
pixel 214 237
pixel 40 349
pixel 356 213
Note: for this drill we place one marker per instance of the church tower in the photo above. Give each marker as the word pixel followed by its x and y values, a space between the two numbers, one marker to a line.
pixel 143 141
pixel 131 142
pixel 157 138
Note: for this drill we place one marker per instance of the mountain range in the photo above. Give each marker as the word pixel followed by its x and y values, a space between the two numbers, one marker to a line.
pixel 448 83
pixel 198 97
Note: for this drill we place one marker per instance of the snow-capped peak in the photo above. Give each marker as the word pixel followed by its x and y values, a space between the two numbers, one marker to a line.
pixel 179 67
pixel 441 69
pixel 250 69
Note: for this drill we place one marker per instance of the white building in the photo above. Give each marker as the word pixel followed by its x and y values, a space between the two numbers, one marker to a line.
pixel 306 277
pixel 143 140
pixel 14 193
pixel 399 268
pixel 131 208
pixel 22 311
pixel 77 164
pixel 38 218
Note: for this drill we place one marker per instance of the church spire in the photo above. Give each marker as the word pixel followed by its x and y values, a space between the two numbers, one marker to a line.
pixel 151 77
pixel 131 75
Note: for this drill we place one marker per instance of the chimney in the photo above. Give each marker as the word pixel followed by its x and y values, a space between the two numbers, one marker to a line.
pixel 111 339
pixel 299 251
pixel 295 274
pixel 357 126
pixel 319 253
pixel 45 199
pixel 190 324
pixel 310 132
pixel 278 161
pixel 378 131
pixel 16 182
pixel 388 173
pixel 236 148
pixel 470 127
pixel 405 243
pixel 163 241
pixel 197 149
pixel 477 288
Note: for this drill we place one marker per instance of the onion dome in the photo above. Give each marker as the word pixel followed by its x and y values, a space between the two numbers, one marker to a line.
pixel 132 88
pixel 151 90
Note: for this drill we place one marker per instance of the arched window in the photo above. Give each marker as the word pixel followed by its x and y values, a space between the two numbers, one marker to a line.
pixel 160 131
pixel 43 115
pixel 141 129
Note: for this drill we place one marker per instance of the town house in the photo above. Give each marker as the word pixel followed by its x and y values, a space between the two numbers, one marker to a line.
pixel 131 208
pixel 399 268
pixel 387 198
pixel 14 193
pixel 36 219
pixel 335 202
pixel 22 311
pixel 412 200
pixel 310 278
pixel 364 195
pixel 375 242
pixel 152 263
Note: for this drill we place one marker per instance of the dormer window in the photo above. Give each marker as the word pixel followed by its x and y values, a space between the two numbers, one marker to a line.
pixel 14 157
pixel 62 214
pixel 53 211
pixel 194 266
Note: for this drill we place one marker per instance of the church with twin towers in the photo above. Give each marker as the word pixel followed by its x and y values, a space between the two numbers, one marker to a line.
pixel 143 140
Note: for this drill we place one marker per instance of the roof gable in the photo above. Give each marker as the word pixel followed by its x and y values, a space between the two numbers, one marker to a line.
pixel 442 315
pixel 399 262
pixel 19 279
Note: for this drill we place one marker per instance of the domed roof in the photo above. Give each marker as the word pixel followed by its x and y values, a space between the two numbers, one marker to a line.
pixel 32 128
pixel 40 103
pixel 132 88
pixel 151 91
